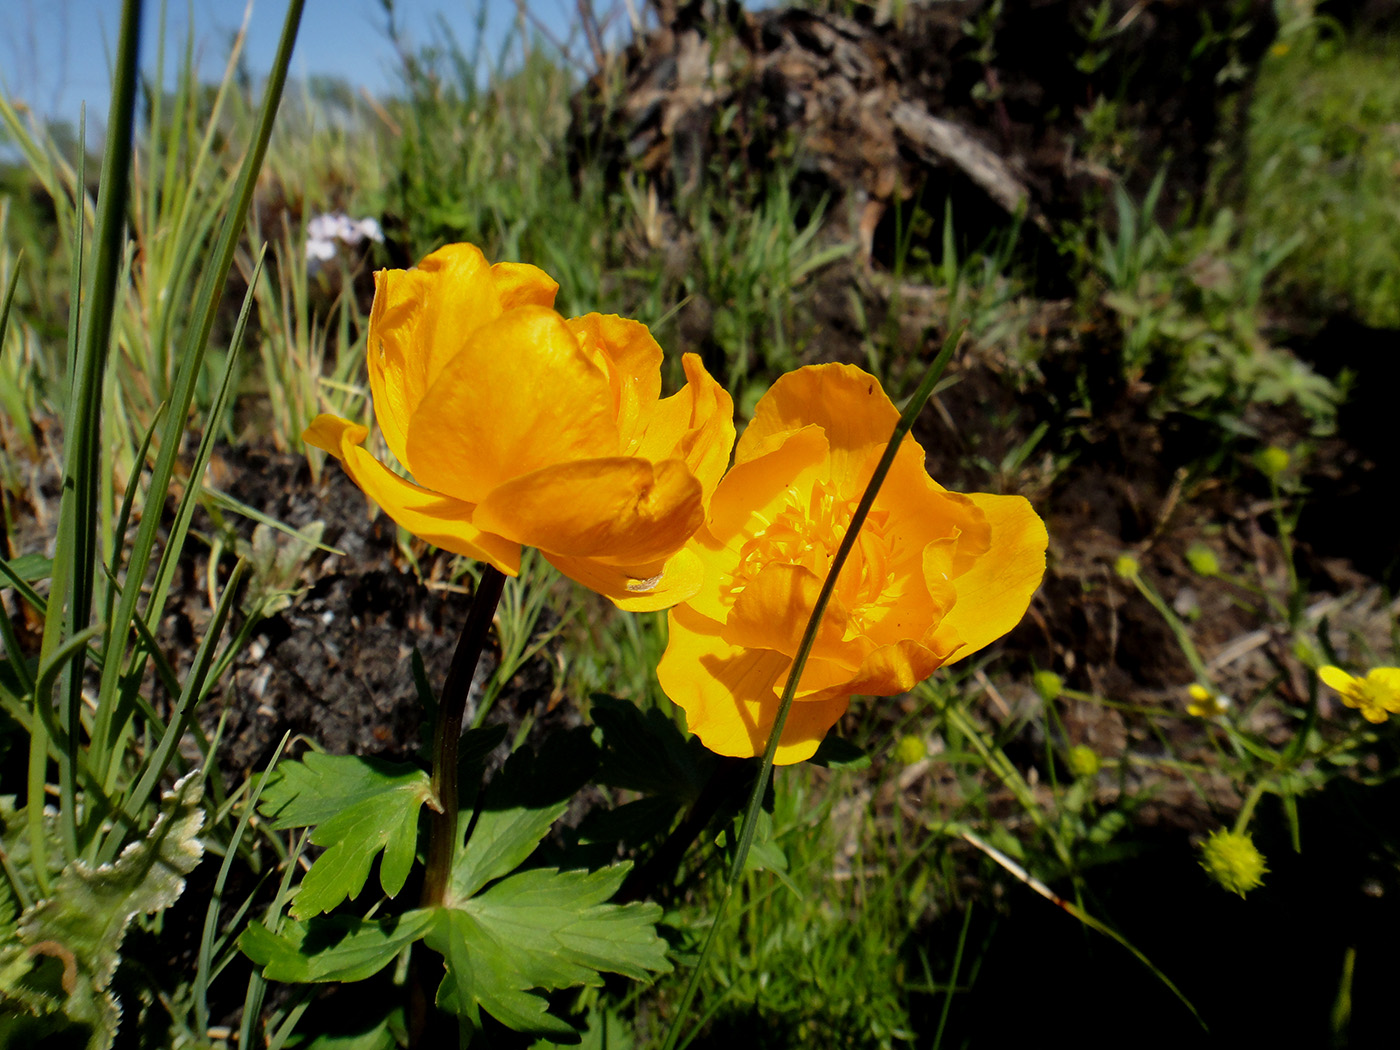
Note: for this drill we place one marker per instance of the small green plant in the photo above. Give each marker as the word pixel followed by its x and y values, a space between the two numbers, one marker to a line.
pixel 96 845
pixel 1324 146
pixel 1191 307
pixel 749 265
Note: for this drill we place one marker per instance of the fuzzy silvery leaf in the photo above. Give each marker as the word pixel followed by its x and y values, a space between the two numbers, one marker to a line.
pixel 71 940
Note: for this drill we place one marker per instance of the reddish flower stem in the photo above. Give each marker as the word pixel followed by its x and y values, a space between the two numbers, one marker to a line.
pixel 447 735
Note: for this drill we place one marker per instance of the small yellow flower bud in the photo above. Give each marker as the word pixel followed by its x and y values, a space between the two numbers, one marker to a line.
pixel 1202 559
pixel 1127 566
pixel 1273 461
pixel 911 749
pixel 1233 861
pixel 1048 684
pixel 1084 761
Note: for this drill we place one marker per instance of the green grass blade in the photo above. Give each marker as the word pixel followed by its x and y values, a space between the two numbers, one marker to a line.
pixel 9 296
pixel 112 714
pixel 159 758
pixel 71 588
pixel 133 486
pixel 202 975
pixel 809 637
pixel 192 360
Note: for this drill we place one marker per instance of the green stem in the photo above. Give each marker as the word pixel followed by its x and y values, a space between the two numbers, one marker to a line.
pixel 1247 810
pixel 1285 542
pixel 1178 629
pixel 447 735
pixel 799 663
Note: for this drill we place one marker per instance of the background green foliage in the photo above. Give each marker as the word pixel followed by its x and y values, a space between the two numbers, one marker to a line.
pixel 888 900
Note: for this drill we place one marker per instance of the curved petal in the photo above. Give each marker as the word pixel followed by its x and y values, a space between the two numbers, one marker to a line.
pixel 519 396
pixel 393 352
pixel 772 611
pixel 623 510
pixel 520 284
pixel 440 520
pixel 633 361
pixel 420 319
pixel 745 502
pixel 848 403
pixel 895 668
pixel 994 593
pixel 718 563
pixel 638 588
pixel 753 493
pixel 695 424
pixel 727 693
pixel 1339 680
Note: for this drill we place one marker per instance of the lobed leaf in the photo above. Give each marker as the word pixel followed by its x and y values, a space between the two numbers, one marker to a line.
pixel 644 751
pixel 359 807
pixel 541 929
pixel 333 947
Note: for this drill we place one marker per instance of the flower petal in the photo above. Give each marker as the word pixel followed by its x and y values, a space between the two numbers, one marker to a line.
pixel 727 693
pixel 1339 680
pixel 772 610
pixel 624 510
pixel 994 593
pixel 637 588
pixel 634 370
pixel 745 502
pixel 695 424
pixel 520 395
pixel 440 520
pixel 848 403
pixel 896 668
pixel 520 284
pixel 420 319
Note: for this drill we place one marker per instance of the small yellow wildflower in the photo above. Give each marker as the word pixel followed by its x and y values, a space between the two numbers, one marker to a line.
pixel 1273 460
pixel 1233 861
pixel 1084 761
pixel 1376 696
pixel 1206 703
pixel 1202 560
pixel 911 749
pixel 1048 684
pixel 1127 566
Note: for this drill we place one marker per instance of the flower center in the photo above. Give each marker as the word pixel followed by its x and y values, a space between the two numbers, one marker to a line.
pixel 809 535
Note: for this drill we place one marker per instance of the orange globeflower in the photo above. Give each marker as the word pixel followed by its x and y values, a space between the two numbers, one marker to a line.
pixel 934 575
pixel 520 427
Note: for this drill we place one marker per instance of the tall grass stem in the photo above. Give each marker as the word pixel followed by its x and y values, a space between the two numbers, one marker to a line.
pixel 906 423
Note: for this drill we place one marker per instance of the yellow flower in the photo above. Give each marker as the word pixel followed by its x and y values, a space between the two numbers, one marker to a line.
pixel 1206 703
pixel 1273 461
pixel 1233 861
pixel 1377 696
pixel 934 576
pixel 1084 761
pixel 520 427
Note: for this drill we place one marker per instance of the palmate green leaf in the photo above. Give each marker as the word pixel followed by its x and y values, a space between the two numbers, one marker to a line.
pixel 358 807
pixel 541 929
pixel 517 810
pixel 644 751
pixel 65 948
pixel 333 947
